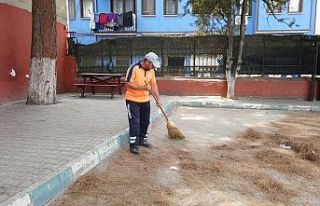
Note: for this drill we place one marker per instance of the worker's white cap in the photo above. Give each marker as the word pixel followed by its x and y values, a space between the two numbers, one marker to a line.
pixel 153 57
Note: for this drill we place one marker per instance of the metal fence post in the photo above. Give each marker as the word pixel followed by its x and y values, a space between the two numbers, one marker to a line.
pixel 263 55
pixel 131 51
pixel 315 66
pixel 162 56
pixel 110 54
pixel 77 59
pixel 194 57
pixel 102 57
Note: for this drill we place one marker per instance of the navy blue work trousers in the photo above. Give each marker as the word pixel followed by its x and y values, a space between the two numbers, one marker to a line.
pixel 139 119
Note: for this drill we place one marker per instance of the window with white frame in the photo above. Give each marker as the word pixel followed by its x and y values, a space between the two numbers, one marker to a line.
pixel 129 5
pixel 117 6
pixel 71 9
pixel 87 8
pixel 170 7
pixel 274 7
pixel 120 6
pixel 295 6
pixel 148 7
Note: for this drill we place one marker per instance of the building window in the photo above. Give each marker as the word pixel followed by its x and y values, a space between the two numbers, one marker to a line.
pixel 117 6
pixel 295 6
pixel 148 7
pixel 71 9
pixel 170 7
pixel 120 6
pixel 129 5
pixel 275 7
pixel 87 8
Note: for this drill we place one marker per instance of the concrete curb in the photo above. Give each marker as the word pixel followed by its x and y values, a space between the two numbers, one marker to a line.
pixel 41 193
pixel 244 105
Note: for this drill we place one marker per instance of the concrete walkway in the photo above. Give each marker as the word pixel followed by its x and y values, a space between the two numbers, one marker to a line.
pixel 45 148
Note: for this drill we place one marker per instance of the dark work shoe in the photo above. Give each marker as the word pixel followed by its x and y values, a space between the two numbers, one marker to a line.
pixel 134 150
pixel 146 144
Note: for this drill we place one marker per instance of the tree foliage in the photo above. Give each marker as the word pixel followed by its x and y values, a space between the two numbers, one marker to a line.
pixel 212 15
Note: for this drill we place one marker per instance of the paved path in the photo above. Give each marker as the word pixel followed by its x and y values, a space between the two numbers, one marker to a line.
pixel 39 141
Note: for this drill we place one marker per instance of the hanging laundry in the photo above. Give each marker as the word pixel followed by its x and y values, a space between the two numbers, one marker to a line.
pixel 127 19
pixel 103 17
pixel 97 22
pixel 96 18
pixel 92 23
pixel 134 20
pixel 112 20
pixel 120 20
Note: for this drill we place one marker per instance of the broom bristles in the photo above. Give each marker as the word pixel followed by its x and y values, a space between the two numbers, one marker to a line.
pixel 174 132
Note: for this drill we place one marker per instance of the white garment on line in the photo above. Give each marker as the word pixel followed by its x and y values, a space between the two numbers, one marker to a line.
pixel 92 23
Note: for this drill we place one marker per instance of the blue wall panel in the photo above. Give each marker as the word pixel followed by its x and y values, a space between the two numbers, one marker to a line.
pixel 162 23
pixel 259 22
pixel 304 20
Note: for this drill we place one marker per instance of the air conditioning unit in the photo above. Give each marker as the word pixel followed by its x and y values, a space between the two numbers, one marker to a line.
pixel 237 20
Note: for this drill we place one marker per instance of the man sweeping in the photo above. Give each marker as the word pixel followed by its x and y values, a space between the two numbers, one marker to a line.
pixel 140 79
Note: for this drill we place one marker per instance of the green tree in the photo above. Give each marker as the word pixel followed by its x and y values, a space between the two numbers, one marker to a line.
pixel 218 16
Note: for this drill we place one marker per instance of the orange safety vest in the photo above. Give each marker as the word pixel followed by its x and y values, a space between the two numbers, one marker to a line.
pixel 138 75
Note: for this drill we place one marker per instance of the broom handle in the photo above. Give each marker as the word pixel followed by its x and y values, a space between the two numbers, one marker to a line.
pixel 155 98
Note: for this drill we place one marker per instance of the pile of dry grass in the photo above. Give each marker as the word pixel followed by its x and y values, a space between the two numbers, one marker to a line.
pixel 128 176
pixel 252 134
pixel 252 166
pixel 200 166
pixel 268 184
pixel 203 167
pixel 274 189
pixel 283 162
pixel 308 149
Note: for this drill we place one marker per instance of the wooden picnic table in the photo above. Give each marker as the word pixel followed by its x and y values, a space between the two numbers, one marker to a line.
pixel 109 80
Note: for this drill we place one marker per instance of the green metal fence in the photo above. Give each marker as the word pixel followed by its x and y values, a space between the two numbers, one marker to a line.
pixel 201 56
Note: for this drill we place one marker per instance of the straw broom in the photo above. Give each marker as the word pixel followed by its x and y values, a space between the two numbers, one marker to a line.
pixel 173 131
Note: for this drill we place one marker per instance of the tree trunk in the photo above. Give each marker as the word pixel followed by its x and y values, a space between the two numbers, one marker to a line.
pixel 231 80
pixel 242 35
pixel 229 63
pixel 43 75
pixel 232 76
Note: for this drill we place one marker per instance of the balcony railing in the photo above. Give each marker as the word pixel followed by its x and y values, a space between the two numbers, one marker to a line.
pixel 127 24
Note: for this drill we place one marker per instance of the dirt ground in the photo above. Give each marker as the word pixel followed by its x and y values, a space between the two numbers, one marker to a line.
pixel 271 162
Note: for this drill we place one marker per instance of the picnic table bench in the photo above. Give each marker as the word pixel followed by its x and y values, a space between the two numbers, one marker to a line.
pixel 107 80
